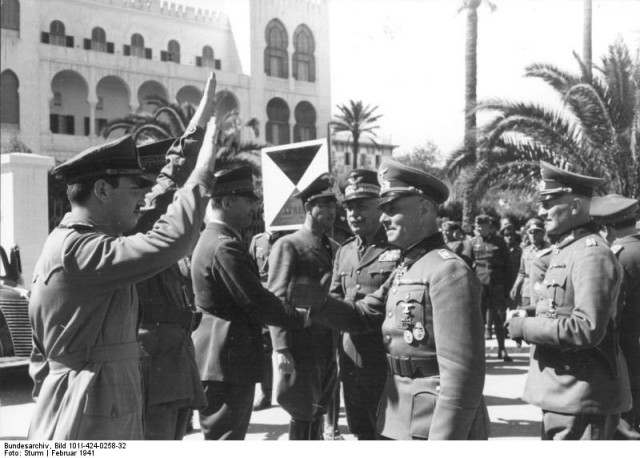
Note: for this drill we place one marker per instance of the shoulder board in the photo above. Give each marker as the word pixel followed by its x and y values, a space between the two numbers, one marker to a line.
pixel 617 249
pixel 412 281
pixel 349 240
pixel 446 254
pixel 590 241
pixel 390 255
pixel 542 252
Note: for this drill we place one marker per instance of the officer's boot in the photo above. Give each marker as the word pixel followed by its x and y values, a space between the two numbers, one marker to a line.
pixel 299 430
pixel 317 429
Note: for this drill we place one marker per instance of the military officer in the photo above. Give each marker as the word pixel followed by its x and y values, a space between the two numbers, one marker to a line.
pixel 306 359
pixel 235 305
pixel 259 248
pixel 577 374
pixel 83 307
pixel 363 263
pixel 521 291
pixel 429 314
pixel 617 217
pixel 171 380
pixel 490 257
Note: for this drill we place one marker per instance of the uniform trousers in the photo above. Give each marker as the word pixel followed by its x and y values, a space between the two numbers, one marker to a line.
pixel 560 426
pixel 361 405
pixel 228 410
pixel 493 300
pixel 166 422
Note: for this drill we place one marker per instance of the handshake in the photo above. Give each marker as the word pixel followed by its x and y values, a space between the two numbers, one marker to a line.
pixel 514 325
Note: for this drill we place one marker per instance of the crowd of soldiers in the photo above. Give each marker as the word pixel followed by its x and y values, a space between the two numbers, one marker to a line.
pixel 129 338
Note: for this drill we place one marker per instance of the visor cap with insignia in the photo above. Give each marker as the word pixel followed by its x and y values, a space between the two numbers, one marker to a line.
pixel 359 184
pixel 116 158
pixel 484 219
pixel 321 187
pixel 153 155
pixel 614 209
pixel 557 182
pixel 234 181
pixel 534 224
pixel 399 180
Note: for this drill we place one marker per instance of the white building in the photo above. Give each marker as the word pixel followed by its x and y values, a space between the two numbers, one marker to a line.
pixel 371 151
pixel 69 66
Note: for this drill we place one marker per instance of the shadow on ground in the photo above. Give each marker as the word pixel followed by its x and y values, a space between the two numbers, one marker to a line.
pixel 12 386
pixel 499 401
pixel 501 427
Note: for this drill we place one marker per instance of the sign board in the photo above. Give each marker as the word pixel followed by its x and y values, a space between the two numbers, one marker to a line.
pixel 286 169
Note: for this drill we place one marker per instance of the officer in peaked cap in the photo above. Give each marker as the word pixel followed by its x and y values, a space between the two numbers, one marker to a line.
pixel 429 315
pixel 577 375
pixel 617 217
pixel 116 158
pixel 305 257
pixel 234 303
pixel 363 263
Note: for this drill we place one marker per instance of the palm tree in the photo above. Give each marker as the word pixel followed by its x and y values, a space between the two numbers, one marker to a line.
pixel 592 133
pixel 471 83
pixel 357 119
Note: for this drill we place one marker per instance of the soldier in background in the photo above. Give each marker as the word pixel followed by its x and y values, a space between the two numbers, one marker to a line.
pixel 259 250
pixel 235 306
pixel 363 263
pixel 512 239
pixel 429 314
pixel 305 359
pixel 170 374
pixel 490 257
pixel 616 216
pixel 577 374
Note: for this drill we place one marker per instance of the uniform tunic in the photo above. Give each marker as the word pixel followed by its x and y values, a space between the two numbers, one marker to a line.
pixel 524 271
pixel 297 258
pixel 627 249
pixel 83 312
pixel 436 376
pixel 576 365
pixel 362 357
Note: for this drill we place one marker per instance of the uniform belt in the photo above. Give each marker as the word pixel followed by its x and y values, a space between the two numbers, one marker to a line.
pixel 186 318
pixel 100 354
pixel 413 367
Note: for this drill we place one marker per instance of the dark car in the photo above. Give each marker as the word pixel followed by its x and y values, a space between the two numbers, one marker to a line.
pixel 15 329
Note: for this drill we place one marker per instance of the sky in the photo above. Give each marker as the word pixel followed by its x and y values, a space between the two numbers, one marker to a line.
pixel 407 56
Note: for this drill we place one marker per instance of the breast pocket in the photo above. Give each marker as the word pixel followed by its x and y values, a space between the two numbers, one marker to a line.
pixel 380 274
pixel 555 285
pixel 410 308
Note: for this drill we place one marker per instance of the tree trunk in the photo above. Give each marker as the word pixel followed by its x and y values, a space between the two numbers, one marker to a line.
pixel 471 52
pixel 356 149
pixel 586 37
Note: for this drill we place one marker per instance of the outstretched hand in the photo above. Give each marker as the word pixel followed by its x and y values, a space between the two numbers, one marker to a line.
pixel 207 155
pixel 207 107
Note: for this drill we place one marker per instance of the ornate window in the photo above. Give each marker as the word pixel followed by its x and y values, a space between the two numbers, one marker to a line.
pixel 304 62
pixel 276 58
pixel 305 127
pixel 137 45
pixel 98 39
pixel 173 51
pixel 278 122
pixel 57 34
pixel 207 57
pixel 10 15
pixel 10 110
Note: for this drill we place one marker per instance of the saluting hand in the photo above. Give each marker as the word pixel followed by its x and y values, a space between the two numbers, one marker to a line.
pixel 207 107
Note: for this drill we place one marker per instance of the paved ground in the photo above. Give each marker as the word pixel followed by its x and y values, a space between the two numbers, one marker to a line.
pixel 511 418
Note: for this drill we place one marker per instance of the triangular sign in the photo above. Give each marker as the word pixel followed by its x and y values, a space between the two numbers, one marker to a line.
pixel 291 212
pixel 294 162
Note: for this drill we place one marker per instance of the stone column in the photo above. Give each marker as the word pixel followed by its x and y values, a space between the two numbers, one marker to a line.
pixel 24 219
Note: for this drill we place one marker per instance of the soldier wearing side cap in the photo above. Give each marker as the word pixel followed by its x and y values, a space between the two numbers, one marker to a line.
pixel 577 374
pixel 83 307
pixel 429 313
pixel 234 306
pixel 363 263
pixel 167 312
pixel 305 359
pixel 489 255
pixel 617 216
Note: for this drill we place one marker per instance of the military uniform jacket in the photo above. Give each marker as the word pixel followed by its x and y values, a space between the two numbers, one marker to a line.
pixel 297 258
pixel 524 271
pixel 362 355
pixel 166 302
pixel 259 249
pixel 627 249
pixel 235 305
pixel 83 311
pixel 490 259
pixel 576 366
pixel 436 289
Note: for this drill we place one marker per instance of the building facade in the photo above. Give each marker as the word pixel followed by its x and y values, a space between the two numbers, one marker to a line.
pixel 70 66
pixel 370 152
